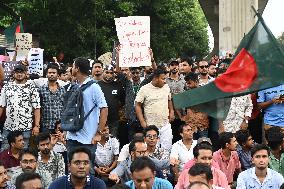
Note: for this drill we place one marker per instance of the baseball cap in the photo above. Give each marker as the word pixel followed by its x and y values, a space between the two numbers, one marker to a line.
pixel 204 139
pixel 173 61
pixel 20 67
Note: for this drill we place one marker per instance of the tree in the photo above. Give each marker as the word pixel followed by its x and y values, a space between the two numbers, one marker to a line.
pixel 86 27
pixel 281 38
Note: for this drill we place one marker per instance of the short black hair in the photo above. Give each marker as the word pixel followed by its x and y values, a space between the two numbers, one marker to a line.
pixel 159 71
pixel 242 136
pixel 132 147
pixel 135 68
pixel 199 169
pixel 141 163
pixel 42 136
pixel 191 76
pixel 79 149
pixel 151 128
pixel 98 62
pixel 30 151
pixel 120 186
pixel 26 177
pixel 259 147
pixel 83 64
pixel 53 66
pixel 182 125
pixel 225 138
pixel 274 137
pixel 12 136
pixel 201 146
pixel 199 183
pixel 186 59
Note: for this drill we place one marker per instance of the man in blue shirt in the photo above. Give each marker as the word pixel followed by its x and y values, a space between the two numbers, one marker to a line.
pixel 96 121
pixel 259 176
pixel 79 177
pixel 143 174
pixel 271 102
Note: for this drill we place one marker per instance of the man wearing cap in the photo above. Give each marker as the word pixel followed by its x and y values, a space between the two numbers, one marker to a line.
pixel 22 103
pixel 115 98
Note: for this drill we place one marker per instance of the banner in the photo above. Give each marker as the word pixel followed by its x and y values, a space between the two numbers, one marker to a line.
pixel 23 44
pixel 8 68
pixel 35 59
pixel 133 33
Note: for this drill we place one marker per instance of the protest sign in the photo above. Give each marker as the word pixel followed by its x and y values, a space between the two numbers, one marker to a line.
pixel 23 43
pixel 4 58
pixel 134 37
pixel 35 59
pixel 8 68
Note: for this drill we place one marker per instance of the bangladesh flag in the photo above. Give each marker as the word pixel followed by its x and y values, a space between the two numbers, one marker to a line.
pixel 258 64
pixel 11 30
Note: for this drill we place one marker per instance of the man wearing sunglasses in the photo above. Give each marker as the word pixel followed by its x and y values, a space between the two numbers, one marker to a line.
pixel 203 69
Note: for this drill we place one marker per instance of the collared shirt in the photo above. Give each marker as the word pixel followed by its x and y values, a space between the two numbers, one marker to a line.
pixel 176 86
pixel 248 180
pixel 8 159
pixel 240 108
pixel 55 165
pixel 45 177
pixel 245 158
pixel 277 164
pixel 51 105
pixel 105 153
pixel 179 151
pixel 64 182
pixel 210 79
pixel 227 165
pixel 160 153
pixel 155 103
pixel 157 184
pixel 219 179
pixel 273 114
pixel 93 95
pixel 20 100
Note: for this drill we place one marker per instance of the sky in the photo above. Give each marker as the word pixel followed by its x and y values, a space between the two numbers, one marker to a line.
pixel 273 16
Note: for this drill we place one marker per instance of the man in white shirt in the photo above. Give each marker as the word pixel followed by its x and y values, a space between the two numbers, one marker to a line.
pixel 182 150
pixel 260 176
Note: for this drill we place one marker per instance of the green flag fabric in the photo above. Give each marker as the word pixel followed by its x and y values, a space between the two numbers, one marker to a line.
pixel 11 30
pixel 258 64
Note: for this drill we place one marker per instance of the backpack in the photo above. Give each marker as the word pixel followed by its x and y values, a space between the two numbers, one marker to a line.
pixel 73 115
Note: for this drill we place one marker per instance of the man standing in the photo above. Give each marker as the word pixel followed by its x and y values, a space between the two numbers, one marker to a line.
pixel 97 70
pixel 96 121
pixel 48 160
pixel 259 176
pixel 185 65
pixel 22 103
pixel 79 176
pixel 271 102
pixel 10 157
pixel 155 99
pixel 204 77
pixel 115 98
pixel 51 95
pixel 212 70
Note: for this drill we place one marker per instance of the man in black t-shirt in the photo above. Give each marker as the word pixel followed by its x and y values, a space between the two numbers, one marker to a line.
pixel 115 98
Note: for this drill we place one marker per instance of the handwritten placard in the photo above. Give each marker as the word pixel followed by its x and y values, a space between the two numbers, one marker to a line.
pixel 35 58
pixel 23 43
pixel 8 68
pixel 134 37
pixel 4 58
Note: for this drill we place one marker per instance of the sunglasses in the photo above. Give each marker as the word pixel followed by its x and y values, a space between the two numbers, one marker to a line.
pixel 204 66
pixel 135 73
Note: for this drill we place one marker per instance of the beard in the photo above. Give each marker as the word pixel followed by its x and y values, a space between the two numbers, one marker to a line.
pixel 28 170
pixel 45 151
pixel 203 73
pixel 174 71
pixel 97 74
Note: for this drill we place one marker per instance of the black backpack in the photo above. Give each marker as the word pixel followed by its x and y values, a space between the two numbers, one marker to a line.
pixel 72 118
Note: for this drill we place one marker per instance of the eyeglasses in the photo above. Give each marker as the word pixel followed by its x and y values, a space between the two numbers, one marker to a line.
pixel 109 72
pixel 31 161
pixel 152 136
pixel 141 152
pixel 78 162
pixel 204 66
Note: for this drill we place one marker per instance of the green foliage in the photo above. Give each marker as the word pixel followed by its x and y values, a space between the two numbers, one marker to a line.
pixel 86 27
pixel 281 38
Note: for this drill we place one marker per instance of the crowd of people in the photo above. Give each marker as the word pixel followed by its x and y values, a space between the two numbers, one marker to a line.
pixel 132 136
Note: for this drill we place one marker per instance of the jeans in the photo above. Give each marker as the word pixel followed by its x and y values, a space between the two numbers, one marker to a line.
pixel 72 144
pixel 5 145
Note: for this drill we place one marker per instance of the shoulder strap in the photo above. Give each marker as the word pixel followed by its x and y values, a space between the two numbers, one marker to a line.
pixel 84 87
